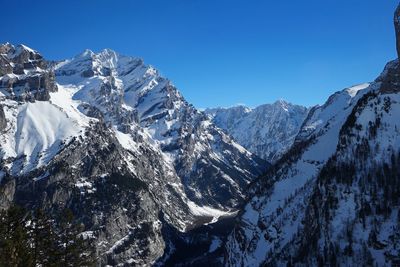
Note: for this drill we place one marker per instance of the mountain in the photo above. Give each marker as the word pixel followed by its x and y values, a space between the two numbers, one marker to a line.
pixel 131 94
pixel 268 130
pixel 333 199
pixel 107 137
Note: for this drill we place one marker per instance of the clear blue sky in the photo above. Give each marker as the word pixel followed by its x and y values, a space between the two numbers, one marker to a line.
pixel 221 52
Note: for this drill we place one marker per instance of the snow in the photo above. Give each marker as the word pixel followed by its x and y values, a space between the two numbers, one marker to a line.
pixel 240 148
pixel 250 215
pixel 41 130
pixel 20 48
pixel 354 89
pixel 126 141
pixel 215 244
pixel 26 48
pixel 87 235
pixel 267 130
pixel 63 99
pixel 204 211
pixel 119 243
pixel 283 205
pixel 37 131
pixel 45 175
pixel 154 113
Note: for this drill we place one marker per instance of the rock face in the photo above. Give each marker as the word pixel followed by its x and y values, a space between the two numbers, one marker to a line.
pixel 24 74
pixel 333 199
pixel 91 176
pixel 390 78
pixel 397 29
pixel 268 130
pixel 3 121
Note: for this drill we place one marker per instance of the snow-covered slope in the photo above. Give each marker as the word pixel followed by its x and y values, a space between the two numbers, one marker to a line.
pixel 37 134
pixel 33 131
pixel 267 130
pixel 282 193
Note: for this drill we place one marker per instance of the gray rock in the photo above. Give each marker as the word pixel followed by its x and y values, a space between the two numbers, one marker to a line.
pixel 3 121
pixel 21 60
pixel 397 29
pixel 5 66
pixel 7 191
pixel 115 205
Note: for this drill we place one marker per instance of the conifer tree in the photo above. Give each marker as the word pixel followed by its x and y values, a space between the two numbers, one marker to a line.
pixel 15 249
pixel 44 243
pixel 75 251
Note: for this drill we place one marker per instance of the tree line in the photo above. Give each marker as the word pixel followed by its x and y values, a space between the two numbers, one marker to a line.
pixel 36 239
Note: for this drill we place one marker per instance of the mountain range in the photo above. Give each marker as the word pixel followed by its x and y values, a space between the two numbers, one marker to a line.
pixel 155 182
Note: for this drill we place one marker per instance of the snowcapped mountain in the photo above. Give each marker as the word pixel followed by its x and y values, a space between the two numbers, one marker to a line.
pixel 267 130
pixel 106 136
pixel 333 198
pixel 131 94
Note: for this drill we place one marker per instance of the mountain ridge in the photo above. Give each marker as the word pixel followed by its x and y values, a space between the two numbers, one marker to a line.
pixel 267 130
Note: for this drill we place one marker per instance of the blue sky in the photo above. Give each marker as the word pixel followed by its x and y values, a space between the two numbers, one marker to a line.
pixel 221 52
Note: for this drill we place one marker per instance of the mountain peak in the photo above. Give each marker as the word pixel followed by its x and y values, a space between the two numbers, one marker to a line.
pixel 103 63
pixel 5 48
pixel 86 53
pixel 108 51
pixel 281 103
pixel 267 130
pixel 23 47
pixel 14 51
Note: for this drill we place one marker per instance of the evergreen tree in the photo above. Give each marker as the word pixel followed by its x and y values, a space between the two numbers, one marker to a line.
pixel 75 251
pixel 40 241
pixel 45 250
pixel 15 248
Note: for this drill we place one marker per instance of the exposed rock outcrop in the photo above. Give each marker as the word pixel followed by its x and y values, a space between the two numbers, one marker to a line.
pixel 25 74
pixel 3 121
pixel 397 29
